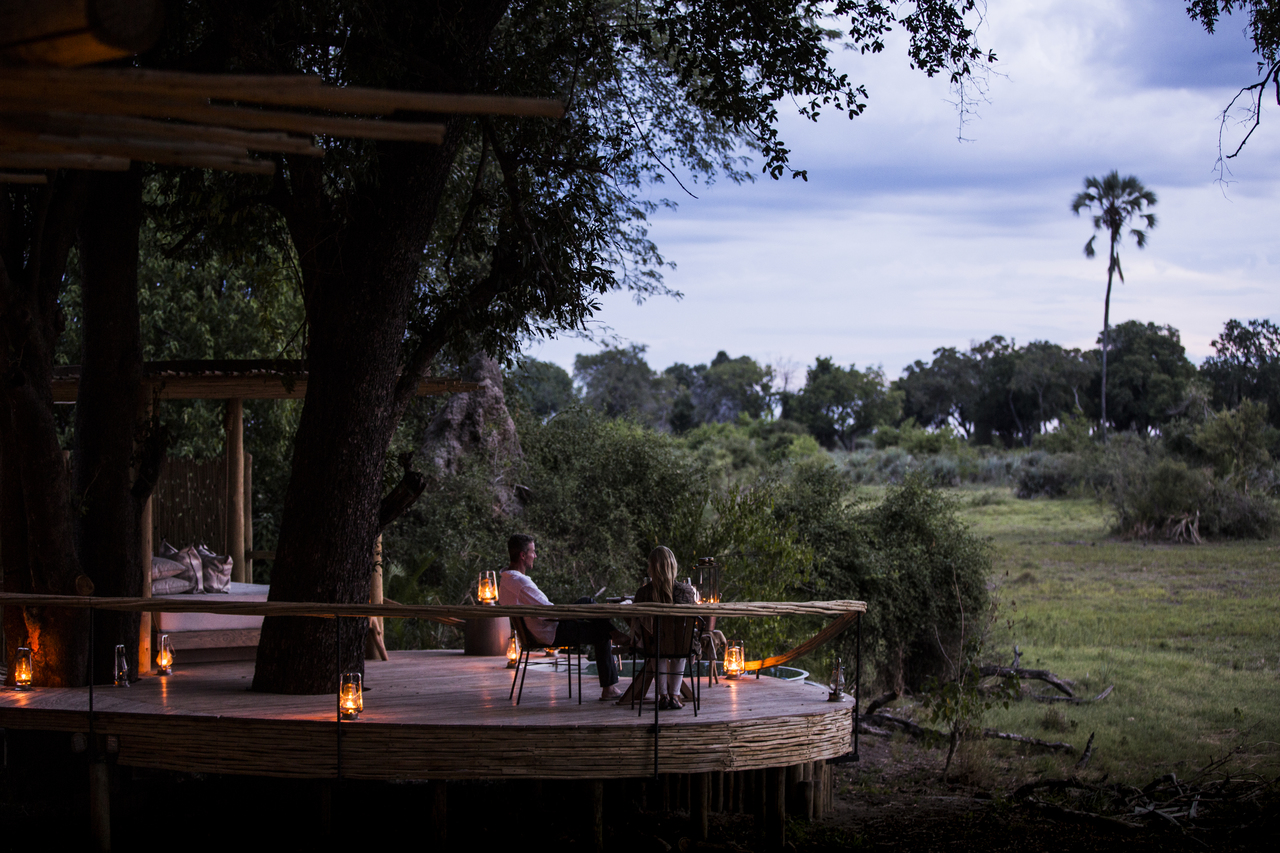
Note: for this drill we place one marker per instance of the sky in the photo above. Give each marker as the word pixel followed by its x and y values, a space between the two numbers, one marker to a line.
pixel 905 239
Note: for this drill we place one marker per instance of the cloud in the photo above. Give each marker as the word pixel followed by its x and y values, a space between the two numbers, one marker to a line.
pixel 904 240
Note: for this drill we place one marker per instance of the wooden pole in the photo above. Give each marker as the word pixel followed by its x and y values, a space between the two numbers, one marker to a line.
pixel 819 789
pixel 375 647
pixel 100 801
pixel 438 793
pixel 235 487
pixel 147 548
pixel 795 775
pixel 775 808
pixel 596 787
pixel 248 517
pixel 700 804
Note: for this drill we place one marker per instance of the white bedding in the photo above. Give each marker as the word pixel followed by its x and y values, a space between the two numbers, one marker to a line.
pixel 174 622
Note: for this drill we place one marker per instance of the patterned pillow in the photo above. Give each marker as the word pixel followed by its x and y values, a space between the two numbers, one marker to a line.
pixel 189 559
pixel 216 570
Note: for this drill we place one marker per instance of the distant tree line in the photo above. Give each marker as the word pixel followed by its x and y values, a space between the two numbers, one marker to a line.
pixel 993 393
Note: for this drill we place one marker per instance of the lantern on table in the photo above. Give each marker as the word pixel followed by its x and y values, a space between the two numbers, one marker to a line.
pixel 22 670
pixel 708 580
pixel 837 682
pixel 164 655
pixel 513 651
pixel 735 659
pixel 350 696
pixel 487 588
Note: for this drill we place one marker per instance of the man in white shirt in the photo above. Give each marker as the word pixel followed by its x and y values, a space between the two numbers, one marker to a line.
pixel 518 588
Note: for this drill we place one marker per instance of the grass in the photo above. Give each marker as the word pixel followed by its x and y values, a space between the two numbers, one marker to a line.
pixel 1189 635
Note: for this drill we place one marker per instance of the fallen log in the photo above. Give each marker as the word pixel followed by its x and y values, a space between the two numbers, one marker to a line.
pixel 1087 754
pixel 1074 700
pixel 1035 674
pixel 1057 746
pixel 883 699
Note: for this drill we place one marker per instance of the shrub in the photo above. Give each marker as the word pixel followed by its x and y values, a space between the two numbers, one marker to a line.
pixel 919 568
pixel 1048 475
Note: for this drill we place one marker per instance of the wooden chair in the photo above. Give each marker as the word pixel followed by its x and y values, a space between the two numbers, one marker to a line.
pixel 672 638
pixel 529 643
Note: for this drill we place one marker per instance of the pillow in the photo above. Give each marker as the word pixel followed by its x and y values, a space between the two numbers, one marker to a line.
pixel 190 560
pixel 164 568
pixel 175 585
pixel 216 570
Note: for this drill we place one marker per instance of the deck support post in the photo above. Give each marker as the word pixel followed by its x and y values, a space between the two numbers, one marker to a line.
pixel 438 794
pixel 596 787
pixel 795 776
pixel 700 803
pixel 717 791
pixel 775 808
pixel 805 791
pixel 819 789
pixel 100 802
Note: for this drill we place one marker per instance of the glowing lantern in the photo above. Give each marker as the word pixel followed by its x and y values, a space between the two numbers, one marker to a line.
pixel 350 696
pixel 708 581
pixel 22 669
pixel 513 652
pixel 122 667
pixel 487 589
pixel 735 659
pixel 164 655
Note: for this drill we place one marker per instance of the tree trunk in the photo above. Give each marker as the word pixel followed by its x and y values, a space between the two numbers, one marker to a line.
pixel 37 229
pixel 359 286
pixel 1106 335
pixel 108 525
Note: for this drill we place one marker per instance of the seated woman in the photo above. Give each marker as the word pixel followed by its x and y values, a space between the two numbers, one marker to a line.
pixel 663 588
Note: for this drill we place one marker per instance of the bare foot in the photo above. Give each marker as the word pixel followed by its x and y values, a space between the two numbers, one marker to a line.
pixel 610 692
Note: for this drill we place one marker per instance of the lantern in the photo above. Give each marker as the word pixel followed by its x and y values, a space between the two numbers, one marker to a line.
pixel 22 669
pixel 708 580
pixel 487 588
pixel 122 667
pixel 513 652
pixel 164 655
pixel 837 682
pixel 735 659
pixel 350 696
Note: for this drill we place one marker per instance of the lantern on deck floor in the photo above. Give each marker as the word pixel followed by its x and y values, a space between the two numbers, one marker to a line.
pixel 735 659
pixel 487 588
pixel 350 696
pixel 164 655
pixel 122 667
pixel 22 669
pixel 513 651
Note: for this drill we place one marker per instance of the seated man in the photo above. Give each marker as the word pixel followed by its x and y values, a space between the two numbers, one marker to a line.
pixel 517 587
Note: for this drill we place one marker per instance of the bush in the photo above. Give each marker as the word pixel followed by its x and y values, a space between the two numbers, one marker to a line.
pixel 921 571
pixel 1048 475
pixel 1154 494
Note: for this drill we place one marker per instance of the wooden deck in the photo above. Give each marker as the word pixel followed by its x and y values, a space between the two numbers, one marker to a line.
pixel 439 715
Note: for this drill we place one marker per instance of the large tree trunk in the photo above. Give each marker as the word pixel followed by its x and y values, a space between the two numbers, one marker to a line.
pixel 108 525
pixel 359 242
pixel 360 289
pixel 37 229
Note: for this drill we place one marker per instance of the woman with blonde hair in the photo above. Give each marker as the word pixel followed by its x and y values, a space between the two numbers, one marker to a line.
pixel 663 588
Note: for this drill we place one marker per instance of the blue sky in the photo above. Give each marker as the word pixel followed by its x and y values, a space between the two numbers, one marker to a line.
pixel 905 239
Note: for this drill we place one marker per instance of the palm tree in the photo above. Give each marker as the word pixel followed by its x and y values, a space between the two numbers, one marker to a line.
pixel 1115 202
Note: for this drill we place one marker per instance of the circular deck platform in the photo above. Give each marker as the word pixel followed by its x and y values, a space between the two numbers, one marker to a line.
pixel 440 715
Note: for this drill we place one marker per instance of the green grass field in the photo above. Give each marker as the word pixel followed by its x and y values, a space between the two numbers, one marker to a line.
pixel 1188 634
